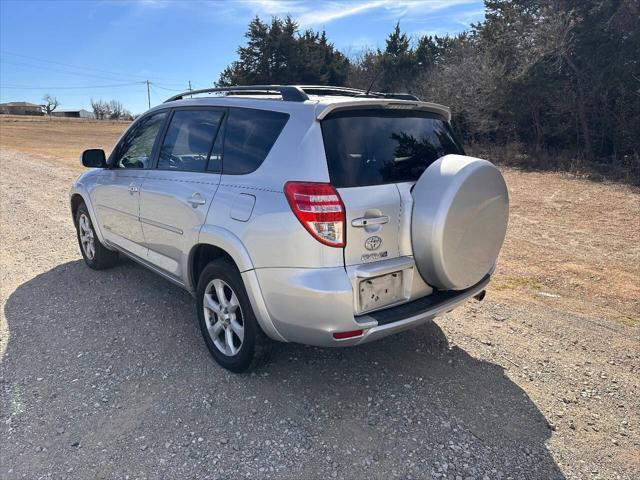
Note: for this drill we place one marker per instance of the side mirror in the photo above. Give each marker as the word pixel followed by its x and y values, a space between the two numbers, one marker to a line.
pixel 94 158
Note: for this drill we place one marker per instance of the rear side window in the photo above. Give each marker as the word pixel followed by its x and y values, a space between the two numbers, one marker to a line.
pixel 249 136
pixel 376 146
pixel 189 140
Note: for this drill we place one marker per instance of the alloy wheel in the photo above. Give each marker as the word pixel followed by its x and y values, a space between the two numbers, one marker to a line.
pixel 223 317
pixel 87 237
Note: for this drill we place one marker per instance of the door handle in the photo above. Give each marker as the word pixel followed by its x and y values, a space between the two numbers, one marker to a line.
pixel 365 221
pixel 196 199
pixel 133 188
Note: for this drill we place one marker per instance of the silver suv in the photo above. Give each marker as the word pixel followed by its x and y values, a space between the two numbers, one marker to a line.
pixel 321 215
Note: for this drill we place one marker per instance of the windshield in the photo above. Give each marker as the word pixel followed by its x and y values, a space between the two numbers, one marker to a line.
pixel 376 146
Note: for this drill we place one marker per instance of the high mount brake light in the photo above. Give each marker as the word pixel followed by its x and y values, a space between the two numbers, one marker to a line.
pixel 319 209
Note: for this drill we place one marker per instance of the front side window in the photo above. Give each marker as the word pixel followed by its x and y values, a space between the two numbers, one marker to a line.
pixel 376 146
pixel 249 136
pixel 136 148
pixel 189 140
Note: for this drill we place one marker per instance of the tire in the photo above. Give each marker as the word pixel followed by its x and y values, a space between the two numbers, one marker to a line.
pixel 229 327
pixel 459 221
pixel 95 254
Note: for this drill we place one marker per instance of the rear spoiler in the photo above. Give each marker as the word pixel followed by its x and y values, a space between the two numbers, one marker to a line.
pixel 386 103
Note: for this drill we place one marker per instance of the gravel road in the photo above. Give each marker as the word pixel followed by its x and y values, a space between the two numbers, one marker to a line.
pixel 105 375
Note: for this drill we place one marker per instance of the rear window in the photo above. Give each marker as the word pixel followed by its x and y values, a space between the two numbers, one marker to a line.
pixel 376 146
pixel 249 136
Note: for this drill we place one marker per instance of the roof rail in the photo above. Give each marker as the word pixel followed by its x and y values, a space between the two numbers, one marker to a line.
pixel 289 93
pixel 329 90
pixel 294 93
pixel 353 92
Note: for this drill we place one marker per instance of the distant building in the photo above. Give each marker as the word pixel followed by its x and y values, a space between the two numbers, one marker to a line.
pixel 77 113
pixel 20 108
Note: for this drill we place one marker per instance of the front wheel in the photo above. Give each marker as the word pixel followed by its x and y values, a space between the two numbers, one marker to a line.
pixel 228 324
pixel 95 254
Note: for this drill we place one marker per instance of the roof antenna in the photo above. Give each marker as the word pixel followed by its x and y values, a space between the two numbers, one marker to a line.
pixel 366 94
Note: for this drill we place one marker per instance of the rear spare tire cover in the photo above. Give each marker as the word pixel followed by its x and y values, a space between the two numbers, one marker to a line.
pixel 459 221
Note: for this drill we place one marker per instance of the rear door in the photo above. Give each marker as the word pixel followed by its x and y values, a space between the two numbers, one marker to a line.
pixel 176 195
pixel 372 223
pixel 374 156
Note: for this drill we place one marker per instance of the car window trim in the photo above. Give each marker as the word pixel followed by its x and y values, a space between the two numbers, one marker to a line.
pixel 165 129
pixel 130 130
pixel 222 130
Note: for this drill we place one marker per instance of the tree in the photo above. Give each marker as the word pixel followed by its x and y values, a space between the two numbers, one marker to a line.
pixel 571 68
pixel 426 53
pixel 100 109
pixel 558 79
pixel 126 115
pixel 50 104
pixel 279 54
pixel 116 110
pixel 395 68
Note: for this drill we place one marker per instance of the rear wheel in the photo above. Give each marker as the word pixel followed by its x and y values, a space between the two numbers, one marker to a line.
pixel 95 254
pixel 228 324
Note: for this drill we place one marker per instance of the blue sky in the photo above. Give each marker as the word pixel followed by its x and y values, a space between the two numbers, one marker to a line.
pixel 112 47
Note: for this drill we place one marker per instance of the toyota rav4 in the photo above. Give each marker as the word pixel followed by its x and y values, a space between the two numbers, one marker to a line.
pixel 321 215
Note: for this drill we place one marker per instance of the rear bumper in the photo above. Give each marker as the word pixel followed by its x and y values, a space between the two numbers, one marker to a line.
pixel 412 314
pixel 309 305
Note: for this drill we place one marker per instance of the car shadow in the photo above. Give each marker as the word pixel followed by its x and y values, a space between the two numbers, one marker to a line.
pixel 97 361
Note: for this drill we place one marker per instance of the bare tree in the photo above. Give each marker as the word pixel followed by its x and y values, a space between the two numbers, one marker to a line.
pixel 100 109
pixel 50 104
pixel 116 110
pixel 126 115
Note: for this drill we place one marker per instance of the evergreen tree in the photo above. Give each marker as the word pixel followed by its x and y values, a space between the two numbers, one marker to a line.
pixel 278 54
pixel 397 63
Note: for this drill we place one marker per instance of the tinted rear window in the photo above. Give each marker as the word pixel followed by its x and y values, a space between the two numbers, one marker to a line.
pixel 249 136
pixel 374 147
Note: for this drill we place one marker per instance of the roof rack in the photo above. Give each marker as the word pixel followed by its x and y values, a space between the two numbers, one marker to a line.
pixel 289 93
pixel 294 93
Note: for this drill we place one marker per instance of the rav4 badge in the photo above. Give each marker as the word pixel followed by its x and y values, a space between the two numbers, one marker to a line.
pixel 372 243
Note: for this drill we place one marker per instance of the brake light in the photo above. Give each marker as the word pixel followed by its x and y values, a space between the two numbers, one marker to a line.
pixel 319 209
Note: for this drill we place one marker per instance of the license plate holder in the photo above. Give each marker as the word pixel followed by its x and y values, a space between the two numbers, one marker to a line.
pixel 380 291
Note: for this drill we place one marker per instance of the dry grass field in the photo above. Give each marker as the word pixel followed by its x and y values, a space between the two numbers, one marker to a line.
pixel 573 244
pixel 541 380
pixel 62 139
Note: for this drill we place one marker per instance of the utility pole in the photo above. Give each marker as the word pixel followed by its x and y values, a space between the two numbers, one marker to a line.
pixel 190 88
pixel 148 93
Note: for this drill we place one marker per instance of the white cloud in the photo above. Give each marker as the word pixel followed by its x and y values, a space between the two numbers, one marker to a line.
pixel 335 11
pixel 322 13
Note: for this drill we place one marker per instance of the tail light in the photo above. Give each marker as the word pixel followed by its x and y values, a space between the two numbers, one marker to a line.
pixel 320 210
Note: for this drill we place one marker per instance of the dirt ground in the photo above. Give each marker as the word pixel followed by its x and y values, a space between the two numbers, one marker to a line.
pixel 62 139
pixel 103 374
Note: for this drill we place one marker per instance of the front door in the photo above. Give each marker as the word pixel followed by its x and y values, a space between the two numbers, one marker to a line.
pixel 117 193
pixel 176 195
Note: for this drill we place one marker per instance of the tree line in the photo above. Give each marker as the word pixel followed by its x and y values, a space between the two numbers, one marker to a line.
pixel 111 110
pixel 545 84
pixel 102 110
